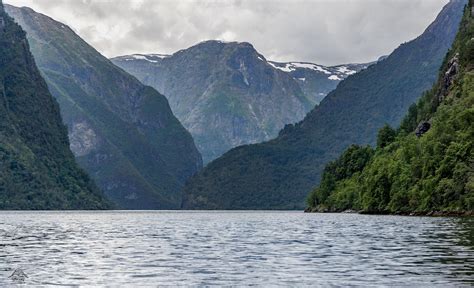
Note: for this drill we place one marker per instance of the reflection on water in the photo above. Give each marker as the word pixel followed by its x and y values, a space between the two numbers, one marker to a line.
pixel 234 248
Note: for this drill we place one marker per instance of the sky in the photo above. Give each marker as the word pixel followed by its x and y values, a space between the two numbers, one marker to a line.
pixel 327 32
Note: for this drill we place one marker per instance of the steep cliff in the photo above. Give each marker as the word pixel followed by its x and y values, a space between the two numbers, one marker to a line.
pixel 37 169
pixel 122 132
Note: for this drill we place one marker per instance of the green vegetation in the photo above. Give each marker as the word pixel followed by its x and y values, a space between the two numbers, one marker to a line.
pixel 352 161
pixel 279 173
pixel 223 93
pixel 410 174
pixel 386 136
pixel 37 169
pixel 122 132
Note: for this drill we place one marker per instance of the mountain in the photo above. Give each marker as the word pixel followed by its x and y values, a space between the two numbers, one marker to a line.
pixel 228 94
pixel 37 169
pixel 278 174
pixel 122 132
pixel 315 80
pixel 427 165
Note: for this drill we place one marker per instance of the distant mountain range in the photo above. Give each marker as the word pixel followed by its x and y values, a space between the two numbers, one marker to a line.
pixel 227 94
pixel 279 173
pixel 315 80
pixel 121 131
pixel 37 169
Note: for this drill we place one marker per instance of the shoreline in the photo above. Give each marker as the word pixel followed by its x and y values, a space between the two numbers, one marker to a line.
pixel 399 213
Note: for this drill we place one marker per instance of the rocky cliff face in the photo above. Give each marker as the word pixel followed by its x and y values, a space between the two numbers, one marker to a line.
pixel 227 94
pixel 122 132
pixel 279 173
pixel 37 169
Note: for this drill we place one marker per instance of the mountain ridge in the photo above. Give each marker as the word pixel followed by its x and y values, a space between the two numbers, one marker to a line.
pixel 425 167
pixel 122 132
pixel 37 168
pixel 278 174
pixel 227 94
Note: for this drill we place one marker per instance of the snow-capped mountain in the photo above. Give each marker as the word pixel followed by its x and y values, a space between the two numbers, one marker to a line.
pixel 316 80
pixel 227 94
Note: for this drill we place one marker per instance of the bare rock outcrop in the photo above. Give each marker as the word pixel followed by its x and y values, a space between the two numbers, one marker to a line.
pixel 422 128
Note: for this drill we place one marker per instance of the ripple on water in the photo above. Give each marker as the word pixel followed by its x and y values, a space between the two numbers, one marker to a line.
pixel 230 248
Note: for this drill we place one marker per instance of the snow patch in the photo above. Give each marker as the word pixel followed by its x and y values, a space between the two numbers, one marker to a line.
pixel 146 57
pixel 321 69
pixel 304 65
pixel 334 77
pixel 139 57
pixel 161 56
pixel 345 70
pixel 310 66
pixel 286 68
pixel 292 66
pixel 301 79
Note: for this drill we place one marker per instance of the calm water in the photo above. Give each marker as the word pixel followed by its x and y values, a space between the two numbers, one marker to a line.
pixel 235 248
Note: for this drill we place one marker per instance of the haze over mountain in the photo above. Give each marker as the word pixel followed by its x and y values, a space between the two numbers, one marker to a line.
pixel 37 169
pixel 278 174
pixel 121 131
pixel 227 94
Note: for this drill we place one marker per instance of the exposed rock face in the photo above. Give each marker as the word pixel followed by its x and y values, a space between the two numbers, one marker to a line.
pixel 121 131
pixel 227 94
pixel 450 75
pixel 422 128
pixel 82 139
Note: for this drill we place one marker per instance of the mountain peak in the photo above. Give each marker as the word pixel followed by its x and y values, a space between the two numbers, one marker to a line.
pixel 118 126
pixel 38 167
pixel 232 88
pixel 152 58
pixel 279 173
pixel 221 43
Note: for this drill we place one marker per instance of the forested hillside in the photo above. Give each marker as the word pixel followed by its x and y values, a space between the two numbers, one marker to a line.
pixel 278 174
pixel 122 132
pixel 426 166
pixel 37 169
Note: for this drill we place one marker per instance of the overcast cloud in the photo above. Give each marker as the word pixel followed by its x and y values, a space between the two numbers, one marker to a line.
pixel 321 31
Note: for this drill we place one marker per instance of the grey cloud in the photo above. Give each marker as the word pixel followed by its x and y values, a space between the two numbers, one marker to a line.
pixel 321 31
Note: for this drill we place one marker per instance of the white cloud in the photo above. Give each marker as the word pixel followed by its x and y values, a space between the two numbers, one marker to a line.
pixel 321 31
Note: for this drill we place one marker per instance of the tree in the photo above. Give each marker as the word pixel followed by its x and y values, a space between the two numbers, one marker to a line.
pixel 386 136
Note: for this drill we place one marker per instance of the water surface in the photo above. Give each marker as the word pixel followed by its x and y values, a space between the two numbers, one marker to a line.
pixel 234 248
